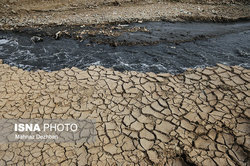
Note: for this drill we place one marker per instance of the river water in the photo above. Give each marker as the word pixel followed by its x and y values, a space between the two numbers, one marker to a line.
pixel 178 46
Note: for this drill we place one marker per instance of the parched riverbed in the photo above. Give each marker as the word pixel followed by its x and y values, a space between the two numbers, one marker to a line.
pixel 154 112
pixel 162 47
pixel 197 117
pixel 200 117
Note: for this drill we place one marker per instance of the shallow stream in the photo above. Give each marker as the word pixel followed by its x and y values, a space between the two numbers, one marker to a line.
pixel 178 46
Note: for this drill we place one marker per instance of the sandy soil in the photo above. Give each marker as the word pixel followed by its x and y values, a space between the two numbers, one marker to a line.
pixel 31 13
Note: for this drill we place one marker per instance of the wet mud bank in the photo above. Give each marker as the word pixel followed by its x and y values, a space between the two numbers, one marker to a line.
pixel 145 46
pixel 49 13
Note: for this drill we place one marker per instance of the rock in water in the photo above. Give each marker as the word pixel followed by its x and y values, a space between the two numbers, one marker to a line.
pixel 36 39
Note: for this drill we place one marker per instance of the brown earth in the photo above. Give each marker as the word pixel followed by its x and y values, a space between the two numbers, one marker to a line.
pixel 200 117
pixel 16 13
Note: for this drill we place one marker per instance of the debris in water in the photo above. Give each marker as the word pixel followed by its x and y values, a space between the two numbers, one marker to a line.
pixel 36 39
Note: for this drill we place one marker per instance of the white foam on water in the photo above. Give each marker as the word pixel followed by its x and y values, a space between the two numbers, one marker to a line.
pixel 98 63
pixel 125 64
pixel 159 66
pixel 195 67
pixel 13 43
pixel 4 41
pixel 245 65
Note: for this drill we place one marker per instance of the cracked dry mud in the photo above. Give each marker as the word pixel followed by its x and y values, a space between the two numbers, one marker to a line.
pixel 200 117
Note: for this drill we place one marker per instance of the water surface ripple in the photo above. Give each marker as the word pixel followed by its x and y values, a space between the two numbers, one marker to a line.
pixel 180 46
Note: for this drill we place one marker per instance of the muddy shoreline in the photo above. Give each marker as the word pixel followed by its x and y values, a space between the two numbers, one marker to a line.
pixel 83 19
pixel 107 33
pixel 16 16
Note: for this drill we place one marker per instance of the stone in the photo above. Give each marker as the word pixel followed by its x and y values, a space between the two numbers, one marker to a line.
pixel 220 139
pixel 146 134
pixel 128 120
pixel 165 127
pixel 202 143
pixel 153 156
pixel 149 87
pixel 110 148
pixel 155 105
pixel 149 111
pixel 200 130
pixel 82 75
pixel 128 85
pixel 243 127
pixel 162 137
pixel 45 102
pixel 187 125
pixel 137 126
pixel 230 83
pixel 8 156
pixel 146 144
pixel 193 76
pixel 111 84
pixel 229 139
pixel 36 39
pixel 60 110
pixel 224 67
pixel 110 126
pixel 70 72
pixel 247 112
pixel 237 80
pixel 221 161
pixel 209 162
pixel 127 145
pixel 207 72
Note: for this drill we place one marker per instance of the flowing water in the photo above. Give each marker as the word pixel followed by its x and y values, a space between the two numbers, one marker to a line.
pixel 178 46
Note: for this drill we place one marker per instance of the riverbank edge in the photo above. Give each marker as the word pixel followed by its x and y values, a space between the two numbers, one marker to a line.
pixel 168 11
